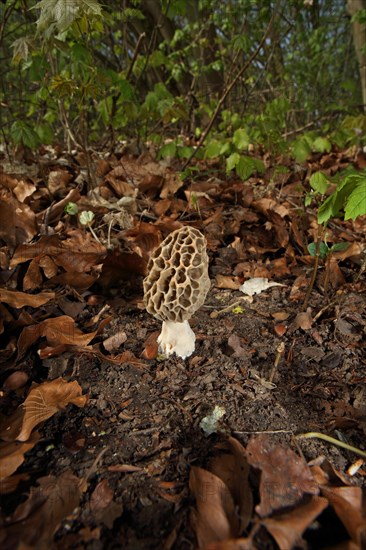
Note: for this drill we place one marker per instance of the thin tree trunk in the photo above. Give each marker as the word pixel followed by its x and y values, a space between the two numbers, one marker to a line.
pixel 359 40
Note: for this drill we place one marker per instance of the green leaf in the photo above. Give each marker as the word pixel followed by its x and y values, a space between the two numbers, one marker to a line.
pixel 319 183
pixel 322 145
pixel 213 149
pixel 86 217
pixel 71 208
pixel 245 168
pixel 301 149
pixel 168 150
pixel 21 132
pixel 338 247
pixel 323 250
pixel 241 139
pixel 312 249
pixel 258 165
pixel 356 202
pixel 232 161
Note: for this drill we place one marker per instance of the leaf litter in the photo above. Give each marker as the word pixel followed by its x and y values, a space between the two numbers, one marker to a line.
pixel 102 439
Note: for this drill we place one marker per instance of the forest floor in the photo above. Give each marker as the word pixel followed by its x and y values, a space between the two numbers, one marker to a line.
pixel 103 441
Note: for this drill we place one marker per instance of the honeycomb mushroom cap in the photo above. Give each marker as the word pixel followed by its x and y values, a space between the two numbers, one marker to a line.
pixel 177 282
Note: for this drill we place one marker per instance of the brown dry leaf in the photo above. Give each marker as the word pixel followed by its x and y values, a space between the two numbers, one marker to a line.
pixel 57 331
pixel 302 320
pixel 287 529
pixel 21 299
pixel 12 455
pixel 40 515
pixel 10 484
pixel 233 469
pixel 266 205
pixel 101 497
pixel 33 278
pixel 18 221
pixel 224 281
pixel 115 341
pixel 215 517
pixel 151 347
pixel 58 179
pixel 285 476
pixel 23 189
pixel 43 401
pixel 348 505
pixel 173 182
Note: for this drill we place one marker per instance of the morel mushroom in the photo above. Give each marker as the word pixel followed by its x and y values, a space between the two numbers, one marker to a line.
pixel 176 287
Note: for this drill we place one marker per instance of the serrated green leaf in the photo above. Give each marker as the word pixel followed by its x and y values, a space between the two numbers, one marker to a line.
pixel 258 165
pixel 322 145
pixel 356 202
pixel 245 168
pixel 241 139
pixel 319 183
pixel 232 161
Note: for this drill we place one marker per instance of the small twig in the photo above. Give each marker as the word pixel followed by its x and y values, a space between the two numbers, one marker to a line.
pixel 280 353
pixel 318 435
pixel 135 54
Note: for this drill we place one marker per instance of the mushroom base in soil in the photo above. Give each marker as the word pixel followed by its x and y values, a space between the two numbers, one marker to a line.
pixel 176 287
pixel 177 338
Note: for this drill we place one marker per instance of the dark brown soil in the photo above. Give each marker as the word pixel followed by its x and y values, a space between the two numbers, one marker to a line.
pixel 148 416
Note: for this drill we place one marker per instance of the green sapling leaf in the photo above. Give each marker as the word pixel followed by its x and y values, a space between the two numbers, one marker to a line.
pixel 356 202
pixel 86 217
pixel 232 161
pixel 338 247
pixel 319 183
pixel 241 139
pixel 71 208
pixel 322 145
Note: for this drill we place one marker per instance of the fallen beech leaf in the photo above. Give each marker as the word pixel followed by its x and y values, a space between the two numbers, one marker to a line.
pixel 10 484
pixel 43 401
pixel 287 529
pixel 40 515
pixel 12 455
pixel 285 476
pixel 215 518
pixel 224 281
pixel 302 320
pixel 347 503
pixel 101 497
pixel 21 299
pixel 57 331
pixel 233 469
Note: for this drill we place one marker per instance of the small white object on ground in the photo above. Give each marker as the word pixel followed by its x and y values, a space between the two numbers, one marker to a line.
pixel 257 285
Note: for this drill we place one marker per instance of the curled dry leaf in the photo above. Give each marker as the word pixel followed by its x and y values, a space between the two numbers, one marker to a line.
pixel 12 455
pixel 285 478
pixel 42 402
pixel 22 299
pixel 287 528
pixel 40 515
pixel 57 331
pixel 215 518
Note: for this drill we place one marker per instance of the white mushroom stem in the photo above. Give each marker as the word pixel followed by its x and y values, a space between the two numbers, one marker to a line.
pixel 176 338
